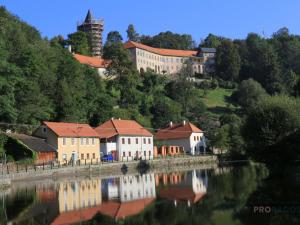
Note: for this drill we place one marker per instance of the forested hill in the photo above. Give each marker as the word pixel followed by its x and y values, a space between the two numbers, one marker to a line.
pixel 40 80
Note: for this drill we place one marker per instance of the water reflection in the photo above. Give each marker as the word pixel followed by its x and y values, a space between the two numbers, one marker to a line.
pixel 71 201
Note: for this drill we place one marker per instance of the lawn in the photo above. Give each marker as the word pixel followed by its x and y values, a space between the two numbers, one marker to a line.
pixel 217 101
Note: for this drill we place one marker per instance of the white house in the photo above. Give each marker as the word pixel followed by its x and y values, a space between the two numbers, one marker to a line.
pixel 126 140
pixel 184 134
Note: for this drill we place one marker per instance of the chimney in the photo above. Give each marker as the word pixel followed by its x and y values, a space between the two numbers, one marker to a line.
pixel 112 118
pixel 171 124
pixel 119 118
pixel 184 123
pixel 70 48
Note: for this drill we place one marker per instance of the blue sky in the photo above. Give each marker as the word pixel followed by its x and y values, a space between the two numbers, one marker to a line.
pixel 229 18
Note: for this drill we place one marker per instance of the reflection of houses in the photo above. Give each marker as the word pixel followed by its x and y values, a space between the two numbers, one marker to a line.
pixel 190 188
pixel 125 140
pixel 184 134
pixel 124 196
pixel 72 141
pixel 74 195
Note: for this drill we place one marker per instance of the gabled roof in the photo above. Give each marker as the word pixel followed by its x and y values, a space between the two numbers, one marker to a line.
pixel 177 131
pixel 62 129
pixel 160 51
pixel 33 143
pixel 181 194
pixel 115 210
pixel 121 127
pixel 92 61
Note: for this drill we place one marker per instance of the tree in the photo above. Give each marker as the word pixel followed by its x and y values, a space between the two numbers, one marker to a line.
pixel 132 35
pixel 79 43
pixel 249 93
pixel 169 40
pixel 113 37
pixel 273 119
pixel 164 110
pixel 211 41
pixel 228 62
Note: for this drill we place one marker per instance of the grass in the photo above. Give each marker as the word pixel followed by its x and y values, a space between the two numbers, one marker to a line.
pixel 218 101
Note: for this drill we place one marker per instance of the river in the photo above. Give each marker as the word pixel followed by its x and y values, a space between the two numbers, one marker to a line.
pixel 232 195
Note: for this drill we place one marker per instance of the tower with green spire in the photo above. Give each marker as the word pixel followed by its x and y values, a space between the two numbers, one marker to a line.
pixel 93 28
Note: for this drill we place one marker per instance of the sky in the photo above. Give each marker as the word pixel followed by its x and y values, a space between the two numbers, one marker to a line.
pixel 230 18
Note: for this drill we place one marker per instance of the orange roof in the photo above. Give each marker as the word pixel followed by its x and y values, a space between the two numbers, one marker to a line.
pixel 161 51
pixel 180 194
pixel 92 61
pixel 121 127
pixel 113 209
pixel 71 129
pixel 177 131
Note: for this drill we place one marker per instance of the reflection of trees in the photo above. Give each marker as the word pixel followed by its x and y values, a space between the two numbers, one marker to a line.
pixel 227 194
pixel 275 191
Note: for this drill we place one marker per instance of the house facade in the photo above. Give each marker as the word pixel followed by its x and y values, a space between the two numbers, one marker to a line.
pixel 126 140
pixel 72 141
pixel 184 134
pixel 170 61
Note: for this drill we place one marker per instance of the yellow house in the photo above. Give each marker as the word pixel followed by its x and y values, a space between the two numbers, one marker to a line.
pixel 72 141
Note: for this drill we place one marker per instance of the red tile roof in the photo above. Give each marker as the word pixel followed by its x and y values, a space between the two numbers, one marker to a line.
pixel 92 61
pixel 71 129
pixel 181 194
pixel 177 131
pixel 161 51
pixel 113 209
pixel 121 127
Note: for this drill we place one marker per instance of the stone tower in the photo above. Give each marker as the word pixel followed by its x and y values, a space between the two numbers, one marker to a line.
pixel 93 28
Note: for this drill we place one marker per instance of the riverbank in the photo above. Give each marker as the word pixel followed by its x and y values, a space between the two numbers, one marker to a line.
pixel 107 169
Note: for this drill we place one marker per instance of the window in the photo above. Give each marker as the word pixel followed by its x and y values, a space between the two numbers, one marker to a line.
pixel 87 156
pixel 94 155
pixel 136 140
pixel 64 141
pixel 123 154
pixel 149 153
pixel 129 141
pixel 87 141
pixel 194 138
pixel 81 141
pixel 123 141
pixel 82 156
pixel 44 129
pixel 144 153
pixel 149 140
pixel 129 154
pixel 144 140
pixel 93 141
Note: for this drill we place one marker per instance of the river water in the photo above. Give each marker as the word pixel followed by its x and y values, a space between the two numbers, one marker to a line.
pixel 230 195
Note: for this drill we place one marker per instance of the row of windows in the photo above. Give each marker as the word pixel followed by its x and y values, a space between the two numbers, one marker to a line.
pixel 139 194
pixel 88 155
pixel 136 154
pixel 197 138
pixel 129 140
pixel 83 141
pixel 159 58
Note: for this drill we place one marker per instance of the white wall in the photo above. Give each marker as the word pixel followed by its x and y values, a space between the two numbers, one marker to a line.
pixel 200 141
pixel 128 151
pixel 137 187
pixel 106 148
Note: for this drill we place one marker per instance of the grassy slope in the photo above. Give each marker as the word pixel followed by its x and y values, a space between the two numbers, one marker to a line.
pixel 217 101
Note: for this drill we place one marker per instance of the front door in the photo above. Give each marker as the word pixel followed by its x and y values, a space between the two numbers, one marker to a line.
pixel 74 157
